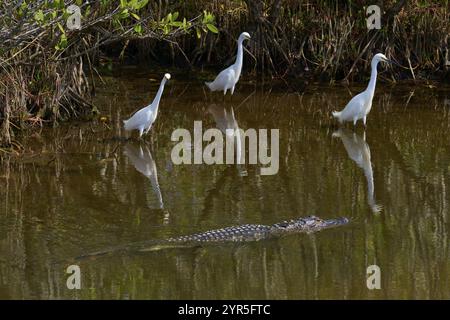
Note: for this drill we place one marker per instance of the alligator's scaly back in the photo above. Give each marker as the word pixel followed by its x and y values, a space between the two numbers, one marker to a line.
pixel 255 232
pixel 246 232
pixel 242 233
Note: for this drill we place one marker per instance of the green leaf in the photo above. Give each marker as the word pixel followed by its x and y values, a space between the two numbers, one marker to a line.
pixel 62 42
pixel 141 4
pixel 175 16
pixel 199 33
pixel 138 29
pixel 124 14
pixel 212 28
pixel 176 24
pixel 60 27
pixel 135 16
pixel 208 17
pixel 39 16
pixel 87 11
pixel 23 7
pixel 132 4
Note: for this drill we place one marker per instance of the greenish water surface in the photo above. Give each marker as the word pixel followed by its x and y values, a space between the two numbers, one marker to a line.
pixel 79 188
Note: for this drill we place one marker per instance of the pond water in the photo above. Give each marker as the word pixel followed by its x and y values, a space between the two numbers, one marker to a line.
pixel 80 187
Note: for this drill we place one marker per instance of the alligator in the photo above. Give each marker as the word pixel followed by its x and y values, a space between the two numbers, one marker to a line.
pixel 242 233
pixel 255 232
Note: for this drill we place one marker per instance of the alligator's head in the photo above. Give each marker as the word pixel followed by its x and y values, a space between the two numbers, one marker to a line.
pixel 308 224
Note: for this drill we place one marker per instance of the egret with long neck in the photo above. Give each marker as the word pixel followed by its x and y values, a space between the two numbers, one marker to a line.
pixel 227 79
pixel 144 118
pixel 360 105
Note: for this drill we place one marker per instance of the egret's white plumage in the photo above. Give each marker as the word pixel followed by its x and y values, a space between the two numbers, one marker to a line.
pixel 227 79
pixel 360 105
pixel 144 118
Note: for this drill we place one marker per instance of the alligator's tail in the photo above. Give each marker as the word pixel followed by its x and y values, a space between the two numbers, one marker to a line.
pixel 101 253
pixel 139 247
pixel 165 245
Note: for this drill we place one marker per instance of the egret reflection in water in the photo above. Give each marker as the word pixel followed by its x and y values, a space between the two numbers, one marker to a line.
pixel 358 150
pixel 226 120
pixel 142 160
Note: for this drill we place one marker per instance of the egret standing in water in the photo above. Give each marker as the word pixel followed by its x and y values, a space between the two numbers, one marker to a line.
pixel 227 79
pixel 360 105
pixel 144 118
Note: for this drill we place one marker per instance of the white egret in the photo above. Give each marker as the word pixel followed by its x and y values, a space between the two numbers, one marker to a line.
pixel 360 105
pixel 358 150
pixel 227 79
pixel 144 118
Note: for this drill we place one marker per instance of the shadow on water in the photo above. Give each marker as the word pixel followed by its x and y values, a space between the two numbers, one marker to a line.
pixel 77 188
